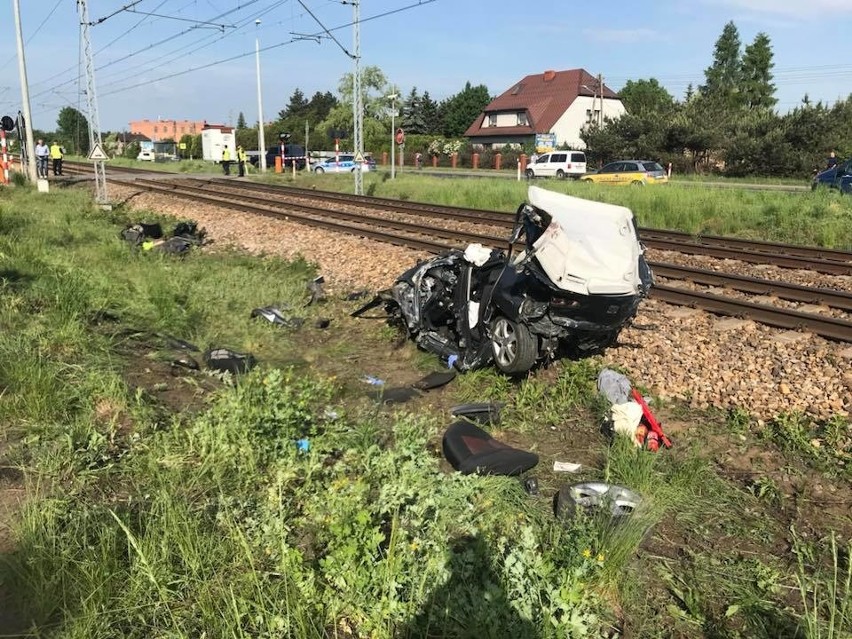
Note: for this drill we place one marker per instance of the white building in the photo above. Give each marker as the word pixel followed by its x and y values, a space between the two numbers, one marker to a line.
pixel 554 105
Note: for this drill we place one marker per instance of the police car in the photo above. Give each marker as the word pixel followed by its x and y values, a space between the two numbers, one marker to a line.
pixel 343 164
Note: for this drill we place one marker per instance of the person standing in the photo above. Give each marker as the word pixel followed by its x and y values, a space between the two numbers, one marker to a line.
pixel 56 155
pixel 241 162
pixel 832 161
pixel 42 153
pixel 226 161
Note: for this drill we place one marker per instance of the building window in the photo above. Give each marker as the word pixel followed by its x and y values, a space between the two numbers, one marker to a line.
pixel 155 129
pixel 492 119
pixel 522 119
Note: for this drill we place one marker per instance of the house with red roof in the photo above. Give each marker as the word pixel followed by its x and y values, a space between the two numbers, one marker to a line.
pixel 559 103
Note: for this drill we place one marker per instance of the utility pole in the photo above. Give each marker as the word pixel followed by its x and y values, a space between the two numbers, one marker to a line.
pixel 600 91
pixel 393 96
pixel 25 94
pixel 358 108
pixel 92 103
pixel 261 138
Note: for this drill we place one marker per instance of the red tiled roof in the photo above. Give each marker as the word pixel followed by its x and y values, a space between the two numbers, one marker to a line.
pixel 544 100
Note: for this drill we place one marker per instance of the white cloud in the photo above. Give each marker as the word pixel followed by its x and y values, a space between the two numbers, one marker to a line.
pixel 800 8
pixel 621 36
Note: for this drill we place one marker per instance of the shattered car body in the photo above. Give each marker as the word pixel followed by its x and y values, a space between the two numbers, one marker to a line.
pixel 577 282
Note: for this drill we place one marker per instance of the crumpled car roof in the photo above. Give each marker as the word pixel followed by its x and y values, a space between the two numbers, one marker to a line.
pixel 589 247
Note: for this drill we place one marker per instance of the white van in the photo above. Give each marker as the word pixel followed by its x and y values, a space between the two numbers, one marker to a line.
pixel 562 164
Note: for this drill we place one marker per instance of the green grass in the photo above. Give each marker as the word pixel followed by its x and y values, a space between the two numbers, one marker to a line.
pixel 146 520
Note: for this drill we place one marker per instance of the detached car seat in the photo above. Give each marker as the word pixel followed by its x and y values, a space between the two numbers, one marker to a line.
pixel 469 449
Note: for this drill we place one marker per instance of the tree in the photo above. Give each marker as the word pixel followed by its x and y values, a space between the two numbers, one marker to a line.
pixel 412 114
pixel 429 113
pixel 374 88
pixel 241 121
pixel 73 128
pixel 296 107
pixel 320 106
pixel 645 96
pixel 723 76
pixel 459 111
pixel 757 89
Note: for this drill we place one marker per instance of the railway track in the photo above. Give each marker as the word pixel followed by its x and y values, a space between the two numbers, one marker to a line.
pixel 289 204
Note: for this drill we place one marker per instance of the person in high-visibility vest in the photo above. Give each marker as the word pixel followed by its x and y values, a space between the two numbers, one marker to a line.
pixel 241 161
pixel 226 161
pixel 56 156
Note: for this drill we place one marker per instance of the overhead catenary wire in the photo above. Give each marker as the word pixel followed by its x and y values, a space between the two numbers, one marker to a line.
pixel 267 48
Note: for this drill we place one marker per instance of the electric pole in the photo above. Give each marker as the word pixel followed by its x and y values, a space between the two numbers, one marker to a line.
pixel 600 91
pixel 25 94
pixel 358 108
pixel 92 104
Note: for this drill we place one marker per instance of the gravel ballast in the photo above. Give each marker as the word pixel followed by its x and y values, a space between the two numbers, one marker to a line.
pixel 679 353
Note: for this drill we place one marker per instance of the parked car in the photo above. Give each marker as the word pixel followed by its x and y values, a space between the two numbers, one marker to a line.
pixel 837 177
pixel 146 155
pixel 637 172
pixel 291 151
pixel 343 164
pixel 576 285
pixel 561 164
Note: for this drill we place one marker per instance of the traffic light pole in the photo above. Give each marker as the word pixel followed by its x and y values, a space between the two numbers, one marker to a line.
pixel 25 94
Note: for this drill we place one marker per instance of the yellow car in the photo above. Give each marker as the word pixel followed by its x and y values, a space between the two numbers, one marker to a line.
pixel 638 172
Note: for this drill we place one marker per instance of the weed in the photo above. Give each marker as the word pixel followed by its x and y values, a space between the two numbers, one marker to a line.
pixel 826 595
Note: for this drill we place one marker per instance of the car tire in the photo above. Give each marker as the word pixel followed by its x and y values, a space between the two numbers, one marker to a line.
pixel 560 174
pixel 530 174
pixel 637 183
pixel 319 169
pixel 513 347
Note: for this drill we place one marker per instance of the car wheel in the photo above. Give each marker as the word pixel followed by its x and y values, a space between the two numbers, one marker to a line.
pixel 530 174
pixel 319 169
pixel 513 346
pixel 560 174
pixel 638 183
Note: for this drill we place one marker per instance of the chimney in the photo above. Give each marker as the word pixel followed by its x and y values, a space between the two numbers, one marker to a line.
pixel 549 75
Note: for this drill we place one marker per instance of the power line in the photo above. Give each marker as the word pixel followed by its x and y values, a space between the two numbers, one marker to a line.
pixel 268 48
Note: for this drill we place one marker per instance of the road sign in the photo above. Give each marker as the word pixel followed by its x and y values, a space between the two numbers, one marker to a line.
pixel 400 136
pixel 7 123
pixel 359 157
pixel 182 146
pixel 97 153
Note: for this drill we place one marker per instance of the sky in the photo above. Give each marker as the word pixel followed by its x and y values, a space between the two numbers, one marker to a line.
pixel 195 59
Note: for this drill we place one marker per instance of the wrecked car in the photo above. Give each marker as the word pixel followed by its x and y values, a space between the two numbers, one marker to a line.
pixel 571 280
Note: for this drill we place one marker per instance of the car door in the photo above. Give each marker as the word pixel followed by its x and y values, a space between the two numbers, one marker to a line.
pixel 608 172
pixel 542 166
pixel 626 173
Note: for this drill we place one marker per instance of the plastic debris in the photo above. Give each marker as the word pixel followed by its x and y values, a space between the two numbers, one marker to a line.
pixel 373 381
pixel 566 467
pixel 451 360
pixel 304 445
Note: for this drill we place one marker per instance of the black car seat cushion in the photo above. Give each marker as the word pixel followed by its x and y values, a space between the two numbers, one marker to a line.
pixel 469 449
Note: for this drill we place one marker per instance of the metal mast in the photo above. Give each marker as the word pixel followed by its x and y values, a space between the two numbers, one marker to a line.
pixel 92 103
pixel 358 107
pixel 25 97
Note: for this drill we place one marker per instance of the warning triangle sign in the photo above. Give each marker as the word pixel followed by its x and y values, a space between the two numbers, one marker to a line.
pixel 97 153
pixel 359 157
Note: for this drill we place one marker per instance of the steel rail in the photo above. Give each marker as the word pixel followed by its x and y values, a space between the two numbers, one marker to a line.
pixel 753 251
pixel 358 218
pixel 783 318
pixel 829 327
pixel 830 267
pixel 791 292
pixel 408 242
pixel 816 252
